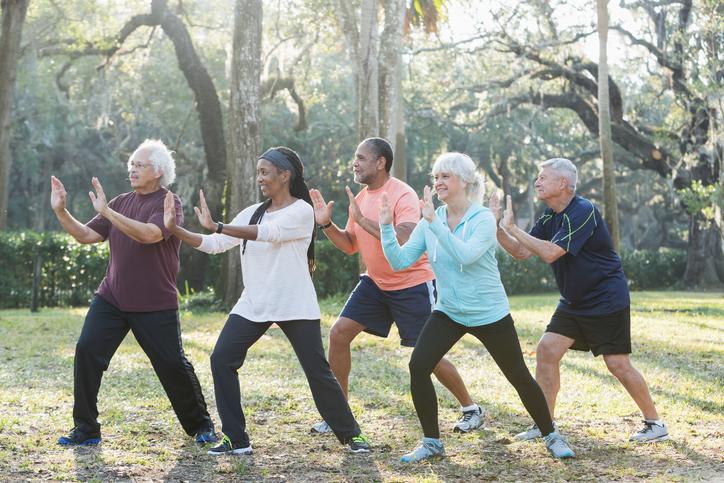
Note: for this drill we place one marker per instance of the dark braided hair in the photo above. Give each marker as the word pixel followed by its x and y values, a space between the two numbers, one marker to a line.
pixel 297 188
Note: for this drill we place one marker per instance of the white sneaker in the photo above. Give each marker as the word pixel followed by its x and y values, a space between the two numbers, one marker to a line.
pixel 470 420
pixel 321 428
pixel 532 433
pixel 651 433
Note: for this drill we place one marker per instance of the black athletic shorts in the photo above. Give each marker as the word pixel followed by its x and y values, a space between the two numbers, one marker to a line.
pixel 600 334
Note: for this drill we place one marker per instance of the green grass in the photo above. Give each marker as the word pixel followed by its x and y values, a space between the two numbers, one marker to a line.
pixel 678 345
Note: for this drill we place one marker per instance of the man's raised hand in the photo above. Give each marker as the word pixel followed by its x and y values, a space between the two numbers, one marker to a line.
pixel 322 210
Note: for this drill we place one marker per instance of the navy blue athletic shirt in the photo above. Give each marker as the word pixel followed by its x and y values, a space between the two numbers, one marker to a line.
pixel 589 276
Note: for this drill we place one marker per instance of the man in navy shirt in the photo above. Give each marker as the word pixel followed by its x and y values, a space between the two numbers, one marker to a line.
pixel 593 312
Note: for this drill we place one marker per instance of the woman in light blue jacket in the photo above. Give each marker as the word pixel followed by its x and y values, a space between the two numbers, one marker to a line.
pixel 459 239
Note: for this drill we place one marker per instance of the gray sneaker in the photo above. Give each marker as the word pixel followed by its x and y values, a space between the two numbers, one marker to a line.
pixel 651 433
pixel 430 448
pixel 321 428
pixel 558 447
pixel 470 420
pixel 532 433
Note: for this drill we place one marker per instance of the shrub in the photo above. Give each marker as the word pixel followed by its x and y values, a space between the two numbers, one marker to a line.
pixel 70 272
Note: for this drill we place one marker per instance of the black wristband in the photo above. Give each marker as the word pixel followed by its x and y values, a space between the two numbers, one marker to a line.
pixel 219 227
pixel 324 227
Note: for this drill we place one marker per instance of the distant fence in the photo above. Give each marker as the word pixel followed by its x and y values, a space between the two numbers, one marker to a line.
pixel 51 269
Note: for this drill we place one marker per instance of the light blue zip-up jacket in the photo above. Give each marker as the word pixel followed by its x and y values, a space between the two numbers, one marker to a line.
pixel 468 281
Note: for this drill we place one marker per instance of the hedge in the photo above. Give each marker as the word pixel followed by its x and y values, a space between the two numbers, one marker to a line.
pixel 70 272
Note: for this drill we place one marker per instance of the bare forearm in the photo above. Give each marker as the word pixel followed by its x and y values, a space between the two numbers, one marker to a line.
pixel 186 236
pixel 141 232
pixel 369 226
pixel 245 232
pixel 545 250
pixel 512 245
pixel 74 228
pixel 340 239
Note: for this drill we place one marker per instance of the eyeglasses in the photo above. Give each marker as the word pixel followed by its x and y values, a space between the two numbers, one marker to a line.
pixel 138 165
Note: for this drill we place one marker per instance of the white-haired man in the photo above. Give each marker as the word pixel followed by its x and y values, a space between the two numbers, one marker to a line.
pixel 594 309
pixel 138 294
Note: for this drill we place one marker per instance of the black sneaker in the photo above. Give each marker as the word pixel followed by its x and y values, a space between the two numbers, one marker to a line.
pixel 206 436
pixel 76 437
pixel 359 444
pixel 227 447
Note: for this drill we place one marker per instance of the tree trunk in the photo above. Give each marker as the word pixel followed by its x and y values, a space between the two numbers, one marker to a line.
pixel 390 68
pixel 368 107
pixel 244 127
pixel 13 17
pixel 704 266
pixel 604 126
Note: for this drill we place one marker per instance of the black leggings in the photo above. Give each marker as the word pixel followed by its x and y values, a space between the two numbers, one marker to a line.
pixel 238 335
pixel 500 339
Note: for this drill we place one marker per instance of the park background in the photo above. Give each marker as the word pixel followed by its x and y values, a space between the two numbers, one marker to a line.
pixel 511 83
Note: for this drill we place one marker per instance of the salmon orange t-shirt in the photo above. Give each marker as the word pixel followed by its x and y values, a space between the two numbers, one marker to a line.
pixel 405 209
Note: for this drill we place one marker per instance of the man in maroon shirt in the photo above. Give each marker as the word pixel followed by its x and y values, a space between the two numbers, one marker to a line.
pixel 138 294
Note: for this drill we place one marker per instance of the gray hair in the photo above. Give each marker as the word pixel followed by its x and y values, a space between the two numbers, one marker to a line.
pixel 160 158
pixel 565 168
pixel 464 168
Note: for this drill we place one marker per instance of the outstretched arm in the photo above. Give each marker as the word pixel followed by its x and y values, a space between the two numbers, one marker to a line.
pixel 341 239
pixel 399 257
pixel 547 251
pixel 73 227
pixel 139 231
pixel 509 244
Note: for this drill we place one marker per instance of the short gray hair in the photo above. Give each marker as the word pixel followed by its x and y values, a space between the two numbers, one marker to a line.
pixel 161 159
pixel 565 168
pixel 464 168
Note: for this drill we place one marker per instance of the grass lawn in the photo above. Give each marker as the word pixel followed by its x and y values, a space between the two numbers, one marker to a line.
pixel 678 343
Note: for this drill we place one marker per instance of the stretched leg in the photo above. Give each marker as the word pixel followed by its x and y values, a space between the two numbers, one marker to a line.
pixel 228 356
pixel 341 336
pixel 103 331
pixel 306 339
pixel 549 353
pixel 159 335
pixel 437 337
pixel 620 366
pixel 501 340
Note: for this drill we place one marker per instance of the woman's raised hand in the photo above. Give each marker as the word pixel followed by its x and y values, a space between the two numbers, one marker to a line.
pixel 426 204
pixel 203 214
pixel 385 211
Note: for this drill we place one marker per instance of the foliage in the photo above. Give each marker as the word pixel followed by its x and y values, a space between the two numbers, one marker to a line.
pixel 677 343
pixel 70 272
pixel 702 199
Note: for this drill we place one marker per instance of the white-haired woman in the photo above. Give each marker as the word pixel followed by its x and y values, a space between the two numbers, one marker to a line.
pixel 459 239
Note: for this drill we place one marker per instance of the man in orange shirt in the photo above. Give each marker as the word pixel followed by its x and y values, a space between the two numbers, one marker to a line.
pixel 382 295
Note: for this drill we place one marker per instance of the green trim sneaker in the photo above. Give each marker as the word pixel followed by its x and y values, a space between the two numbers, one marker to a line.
pixel 558 447
pixel 76 437
pixel 470 420
pixel 359 444
pixel 321 428
pixel 431 448
pixel 651 433
pixel 228 447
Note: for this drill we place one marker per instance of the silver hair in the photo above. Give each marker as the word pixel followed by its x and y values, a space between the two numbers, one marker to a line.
pixel 565 168
pixel 464 168
pixel 160 158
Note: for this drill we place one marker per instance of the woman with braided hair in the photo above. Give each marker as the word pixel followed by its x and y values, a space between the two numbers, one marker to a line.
pixel 277 256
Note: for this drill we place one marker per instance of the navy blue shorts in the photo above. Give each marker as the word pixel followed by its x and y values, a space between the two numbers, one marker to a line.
pixel 377 309
pixel 600 334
